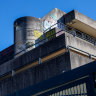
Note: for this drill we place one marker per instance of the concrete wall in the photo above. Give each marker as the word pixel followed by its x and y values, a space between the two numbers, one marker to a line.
pixel 81 22
pixel 78 60
pixel 85 19
pixel 26 31
pixel 80 44
pixel 33 55
pixel 51 18
pixel 35 75
pixel 81 17
pixel 55 66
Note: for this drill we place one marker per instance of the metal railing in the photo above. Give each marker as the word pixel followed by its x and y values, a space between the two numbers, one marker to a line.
pixel 62 28
pixel 79 90
pixel 45 40
pixel 90 55
pixel 74 32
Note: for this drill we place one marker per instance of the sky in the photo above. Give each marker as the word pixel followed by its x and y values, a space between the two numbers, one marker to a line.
pixel 10 10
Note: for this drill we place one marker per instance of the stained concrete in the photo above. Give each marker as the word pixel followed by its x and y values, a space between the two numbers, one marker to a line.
pixel 35 75
pixel 33 55
pixel 80 44
pixel 81 22
pixel 78 60
pixel 26 30
pixel 67 61
pixel 48 69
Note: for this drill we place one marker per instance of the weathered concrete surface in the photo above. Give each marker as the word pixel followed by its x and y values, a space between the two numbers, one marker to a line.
pixel 35 75
pixel 83 18
pixel 26 30
pixel 33 55
pixel 77 42
pixel 6 67
pixel 50 68
pixel 78 60
pixel 47 48
pixel 81 22
pixel 80 44
pixel 56 12
pixel 51 18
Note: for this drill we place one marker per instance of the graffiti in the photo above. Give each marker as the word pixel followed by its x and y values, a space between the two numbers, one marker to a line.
pixel 46 24
pixel 59 33
pixel 37 34
pixel 51 20
pixel 50 34
pixel 54 17
pixel 41 37
pixel 20 47
pixel 45 37
pixel 61 26
pixel 34 33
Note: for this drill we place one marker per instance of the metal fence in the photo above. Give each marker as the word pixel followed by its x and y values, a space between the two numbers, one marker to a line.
pixel 73 88
pixel 79 90
pixel 76 82
pixel 62 27
pixel 74 32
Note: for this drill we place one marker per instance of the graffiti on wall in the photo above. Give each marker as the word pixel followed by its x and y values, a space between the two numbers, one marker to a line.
pixel 37 34
pixel 45 37
pixel 32 37
pixel 51 20
pixel 61 26
pixel 34 33
pixel 50 34
pixel 20 46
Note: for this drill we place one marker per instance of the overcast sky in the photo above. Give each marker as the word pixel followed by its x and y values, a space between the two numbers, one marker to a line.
pixel 13 9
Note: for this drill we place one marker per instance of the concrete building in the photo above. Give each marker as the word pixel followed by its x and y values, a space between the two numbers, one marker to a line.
pixel 51 56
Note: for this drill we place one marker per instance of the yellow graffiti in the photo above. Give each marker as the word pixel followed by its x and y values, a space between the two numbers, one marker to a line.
pixel 51 34
pixel 41 37
pixel 37 34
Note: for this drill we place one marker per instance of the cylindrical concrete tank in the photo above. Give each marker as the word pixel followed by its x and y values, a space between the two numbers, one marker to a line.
pixel 26 31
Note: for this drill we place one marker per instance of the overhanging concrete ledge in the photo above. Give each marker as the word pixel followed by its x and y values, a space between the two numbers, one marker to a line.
pixel 81 22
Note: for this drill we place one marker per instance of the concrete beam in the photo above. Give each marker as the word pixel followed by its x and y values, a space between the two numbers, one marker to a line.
pixel 80 22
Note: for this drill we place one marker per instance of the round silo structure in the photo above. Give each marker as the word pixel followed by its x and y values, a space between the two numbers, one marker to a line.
pixel 26 31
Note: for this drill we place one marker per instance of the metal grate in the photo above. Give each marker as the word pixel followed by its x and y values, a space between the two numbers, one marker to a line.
pixel 79 90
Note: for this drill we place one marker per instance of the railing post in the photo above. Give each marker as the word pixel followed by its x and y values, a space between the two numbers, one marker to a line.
pixel 67 48
pixel 90 56
pixel 13 73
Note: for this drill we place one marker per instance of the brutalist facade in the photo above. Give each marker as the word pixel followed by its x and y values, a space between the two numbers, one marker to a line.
pixel 52 56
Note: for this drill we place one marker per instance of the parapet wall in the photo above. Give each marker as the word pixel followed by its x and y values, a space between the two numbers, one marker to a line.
pixel 34 55
pixel 80 44
pixel 81 22
pixel 35 75
pixel 57 65
pixel 53 65
pixel 78 60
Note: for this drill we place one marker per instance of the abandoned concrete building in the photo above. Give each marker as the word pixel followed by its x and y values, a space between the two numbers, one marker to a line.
pixel 51 56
